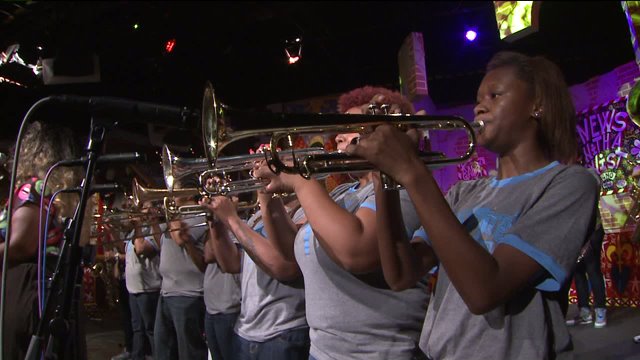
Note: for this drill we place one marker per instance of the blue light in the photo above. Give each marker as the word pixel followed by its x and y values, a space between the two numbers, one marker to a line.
pixel 471 35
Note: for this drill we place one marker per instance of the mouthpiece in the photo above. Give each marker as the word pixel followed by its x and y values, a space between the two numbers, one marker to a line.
pixel 477 126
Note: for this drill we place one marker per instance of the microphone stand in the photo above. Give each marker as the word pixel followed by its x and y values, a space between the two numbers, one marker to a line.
pixel 61 339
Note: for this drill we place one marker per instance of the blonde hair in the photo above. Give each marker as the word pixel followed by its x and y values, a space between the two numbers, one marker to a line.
pixel 42 146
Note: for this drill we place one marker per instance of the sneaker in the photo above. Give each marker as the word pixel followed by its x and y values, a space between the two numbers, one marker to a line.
pixel 601 318
pixel 583 318
pixel 636 339
pixel 125 355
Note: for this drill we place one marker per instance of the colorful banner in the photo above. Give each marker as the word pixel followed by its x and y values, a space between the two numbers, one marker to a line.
pixel 619 261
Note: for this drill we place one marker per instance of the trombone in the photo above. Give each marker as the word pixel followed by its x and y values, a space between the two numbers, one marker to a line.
pixel 175 167
pixel 173 211
pixel 222 125
pixel 103 233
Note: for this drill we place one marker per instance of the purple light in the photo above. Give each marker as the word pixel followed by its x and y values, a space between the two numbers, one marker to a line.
pixel 471 35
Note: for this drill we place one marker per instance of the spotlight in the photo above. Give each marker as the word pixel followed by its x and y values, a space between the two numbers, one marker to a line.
pixel 471 35
pixel 293 50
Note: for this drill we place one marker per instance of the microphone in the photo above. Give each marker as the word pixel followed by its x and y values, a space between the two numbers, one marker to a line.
pixel 136 111
pixel 109 158
pixel 104 188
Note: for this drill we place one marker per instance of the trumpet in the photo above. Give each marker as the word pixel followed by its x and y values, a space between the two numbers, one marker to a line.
pixel 222 125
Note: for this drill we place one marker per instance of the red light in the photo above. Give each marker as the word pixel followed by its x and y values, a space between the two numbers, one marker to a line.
pixel 169 45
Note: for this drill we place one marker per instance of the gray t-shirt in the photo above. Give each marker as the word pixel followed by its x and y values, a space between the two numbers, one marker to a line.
pixel 545 214
pixel 180 276
pixel 142 272
pixel 352 316
pixel 269 307
pixel 221 291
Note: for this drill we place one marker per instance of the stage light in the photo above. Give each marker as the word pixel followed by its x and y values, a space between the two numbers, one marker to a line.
pixel 471 35
pixel 293 50
pixel 517 19
pixel 170 44
pixel 135 26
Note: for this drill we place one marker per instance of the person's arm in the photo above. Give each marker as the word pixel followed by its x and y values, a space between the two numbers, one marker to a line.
pixel 349 238
pixel 142 246
pixel 280 228
pixel 181 235
pixel 209 251
pixel 222 249
pixel 484 280
pixel 261 250
pixel 404 263
pixel 24 240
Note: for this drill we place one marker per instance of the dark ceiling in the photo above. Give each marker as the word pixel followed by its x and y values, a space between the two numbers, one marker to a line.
pixel 239 47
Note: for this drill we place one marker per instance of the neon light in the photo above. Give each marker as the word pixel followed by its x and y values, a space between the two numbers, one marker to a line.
pixel 170 45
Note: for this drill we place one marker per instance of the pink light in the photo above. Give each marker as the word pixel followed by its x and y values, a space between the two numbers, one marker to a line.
pixel 471 35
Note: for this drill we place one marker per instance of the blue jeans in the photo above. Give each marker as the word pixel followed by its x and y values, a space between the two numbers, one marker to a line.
pixel 291 345
pixel 590 266
pixel 219 330
pixel 179 329
pixel 143 317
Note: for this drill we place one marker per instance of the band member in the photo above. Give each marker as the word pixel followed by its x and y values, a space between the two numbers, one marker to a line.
pixel 222 300
pixel 351 311
pixel 179 324
pixel 43 145
pixel 505 244
pixel 272 323
pixel 142 272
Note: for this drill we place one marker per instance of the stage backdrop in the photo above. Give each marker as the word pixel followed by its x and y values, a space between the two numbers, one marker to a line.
pixel 610 143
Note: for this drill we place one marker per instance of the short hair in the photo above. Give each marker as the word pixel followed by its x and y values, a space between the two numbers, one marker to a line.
pixel 363 95
pixel 557 133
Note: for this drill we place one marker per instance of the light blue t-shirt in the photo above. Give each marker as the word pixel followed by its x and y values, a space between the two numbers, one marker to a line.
pixel 180 276
pixel 358 316
pixel 546 215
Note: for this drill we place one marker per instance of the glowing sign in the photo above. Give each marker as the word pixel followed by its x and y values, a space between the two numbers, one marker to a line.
pixel 516 19
pixel 607 127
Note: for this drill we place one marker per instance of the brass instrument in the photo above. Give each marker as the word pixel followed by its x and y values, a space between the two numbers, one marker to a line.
pixel 172 211
pixel 142 194
pixel 222 125
pixel 175 167
pixel 101 233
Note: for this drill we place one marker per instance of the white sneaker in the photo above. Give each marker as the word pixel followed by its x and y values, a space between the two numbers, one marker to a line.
pixel 601 318
pixel 125 355
pixel 583 318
